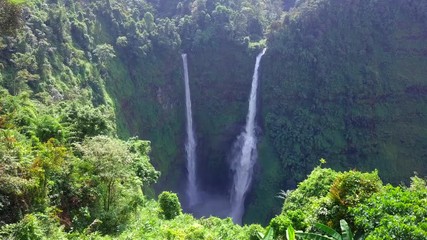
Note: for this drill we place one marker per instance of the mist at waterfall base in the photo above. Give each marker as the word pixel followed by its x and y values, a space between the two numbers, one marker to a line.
pixel 243 158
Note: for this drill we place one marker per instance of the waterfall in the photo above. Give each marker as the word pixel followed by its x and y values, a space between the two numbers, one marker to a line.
pixel 190 144
pixel 245 153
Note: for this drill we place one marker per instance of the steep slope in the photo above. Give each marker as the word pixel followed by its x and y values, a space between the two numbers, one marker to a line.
pixel 346 81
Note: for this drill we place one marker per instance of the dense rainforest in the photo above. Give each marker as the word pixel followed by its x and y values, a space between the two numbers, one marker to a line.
pixel 92 117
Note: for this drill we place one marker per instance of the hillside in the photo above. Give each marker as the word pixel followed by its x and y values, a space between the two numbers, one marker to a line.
pixel 343 80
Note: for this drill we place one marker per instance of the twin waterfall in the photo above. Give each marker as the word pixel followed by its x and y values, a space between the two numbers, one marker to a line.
pixel 242 164
pixel 190 145
pixel 244 148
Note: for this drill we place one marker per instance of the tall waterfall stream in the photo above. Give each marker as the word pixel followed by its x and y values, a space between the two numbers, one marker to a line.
pixel 242 164
pixel 190 144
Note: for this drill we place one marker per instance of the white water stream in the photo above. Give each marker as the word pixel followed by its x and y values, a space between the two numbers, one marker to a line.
pixel 190 144
pixel 242 164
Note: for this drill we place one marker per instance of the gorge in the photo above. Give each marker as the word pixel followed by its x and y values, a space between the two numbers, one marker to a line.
pixel 342 80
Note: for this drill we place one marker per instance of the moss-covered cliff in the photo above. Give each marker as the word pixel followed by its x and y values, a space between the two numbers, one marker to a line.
pixel 344 81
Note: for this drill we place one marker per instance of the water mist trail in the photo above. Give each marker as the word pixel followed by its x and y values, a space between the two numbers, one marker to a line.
pixel 244 160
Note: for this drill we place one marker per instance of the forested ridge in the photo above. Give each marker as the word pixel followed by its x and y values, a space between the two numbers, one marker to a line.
pixel 92 119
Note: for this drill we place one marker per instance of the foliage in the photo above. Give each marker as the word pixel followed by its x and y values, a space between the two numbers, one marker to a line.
pixel 104 53
pixel 331 89
pixel 10 13
pixel 148 225
pixel 352 92
pixel 394 213
pixel 85 121
pixel 141 164
pixel 99 178
pixel 290 233
pixel 348 189
pixel 169 204
pixel 106 183
pixel 48 127
pixel 329 199
pixel 29 168
pixel 300 204
pixel 35 226
pixel 268 236
pixel 331 233
pixel 16 184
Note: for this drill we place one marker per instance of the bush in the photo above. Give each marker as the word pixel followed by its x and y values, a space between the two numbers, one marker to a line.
pixel 169 203
pixel 394 213
pixel 349 189
pixel 47 128
pixel 280 224
pixel 254 230
pixel 35 226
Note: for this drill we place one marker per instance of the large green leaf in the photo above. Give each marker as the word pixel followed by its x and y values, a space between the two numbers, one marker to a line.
pixel 290 233
pixel 270 234
pixel 313 236
pixel 330 231
pixel 346 231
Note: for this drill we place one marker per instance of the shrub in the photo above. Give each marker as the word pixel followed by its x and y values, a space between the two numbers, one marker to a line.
pixel 394 213
pixel 349 189
pixel 169 203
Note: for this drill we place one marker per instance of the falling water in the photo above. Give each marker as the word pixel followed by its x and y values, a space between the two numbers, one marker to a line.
pixel 244 160
pixel 190 145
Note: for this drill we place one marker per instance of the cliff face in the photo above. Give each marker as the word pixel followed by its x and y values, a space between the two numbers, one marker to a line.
pixel 341 80
pixel 345 81
pixel 349 87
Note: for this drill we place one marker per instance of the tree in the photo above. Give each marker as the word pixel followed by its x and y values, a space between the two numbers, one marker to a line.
pixel 10 16
pixel 169 204
pixel 48 127
pixel 26 64
pixel 109 161
pixel 105 180
pixel 149 21
pixel 85 121
pixel 394 213
pixel 302 202
pixel 144 170
pixel 348 189
pixel 104 53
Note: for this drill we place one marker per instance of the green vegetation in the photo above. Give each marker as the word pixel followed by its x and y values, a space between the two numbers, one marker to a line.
pixel 10 16
pixel 339 91
pixel 353 202
pixel 341 79
pixel 378 211
pixel 169 203
pixel 331 233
